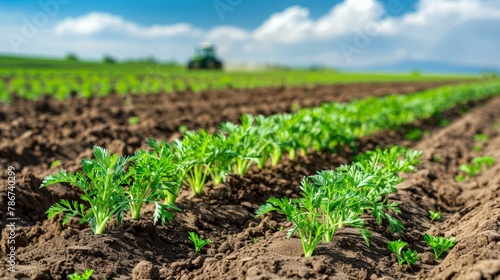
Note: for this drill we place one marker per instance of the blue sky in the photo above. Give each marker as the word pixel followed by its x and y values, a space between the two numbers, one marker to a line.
pixel 340 33
pixel 246 13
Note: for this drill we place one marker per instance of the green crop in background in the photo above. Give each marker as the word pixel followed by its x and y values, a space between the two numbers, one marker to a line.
pixel 30 78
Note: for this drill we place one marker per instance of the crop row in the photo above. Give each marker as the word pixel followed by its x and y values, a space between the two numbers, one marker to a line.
pixel 332 200
pixel 31 84
pixel 114 184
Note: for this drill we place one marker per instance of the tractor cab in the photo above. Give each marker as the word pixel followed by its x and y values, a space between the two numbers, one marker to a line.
pixel 206 50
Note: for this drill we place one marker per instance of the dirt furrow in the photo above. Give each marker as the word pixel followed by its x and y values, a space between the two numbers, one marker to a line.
pixel 470 210
pixel 36 134
pixel 245 247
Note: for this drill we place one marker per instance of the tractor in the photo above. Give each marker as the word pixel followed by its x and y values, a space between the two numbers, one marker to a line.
pixel 205 58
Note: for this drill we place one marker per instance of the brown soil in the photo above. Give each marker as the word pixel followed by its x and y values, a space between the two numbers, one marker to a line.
pixel 35 134
pixel 247 248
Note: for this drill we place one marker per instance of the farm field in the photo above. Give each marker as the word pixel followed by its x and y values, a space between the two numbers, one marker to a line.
pixel 250 140
pixel 39 137
pixel 32 78
pixel 38 133
pixel 31 85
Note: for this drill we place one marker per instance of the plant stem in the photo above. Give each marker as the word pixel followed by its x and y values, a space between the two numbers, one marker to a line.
pixel 101 226
pixel 275 156
pixel 170 197
pixel 197 178
pixel 135 209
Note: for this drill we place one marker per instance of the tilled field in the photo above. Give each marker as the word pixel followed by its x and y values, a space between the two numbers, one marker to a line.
pixel 246 247
pixel 34 134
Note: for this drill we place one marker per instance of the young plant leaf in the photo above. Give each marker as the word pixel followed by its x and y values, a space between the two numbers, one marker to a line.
pixel 396 247
pixel 434 215
pixel 439 244
pixel 410 257
pixel 197 241
pixel 85 276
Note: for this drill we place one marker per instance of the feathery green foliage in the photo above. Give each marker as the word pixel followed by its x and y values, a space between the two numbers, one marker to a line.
pixel 102 181
pixel 332 200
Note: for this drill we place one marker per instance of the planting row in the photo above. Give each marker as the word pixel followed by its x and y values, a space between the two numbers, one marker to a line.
pixel 113 184
pixel 332 200
pixel 263 140
pixel 32 84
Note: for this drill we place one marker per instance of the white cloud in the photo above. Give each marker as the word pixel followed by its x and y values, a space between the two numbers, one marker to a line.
pixel 438 28
pixel 378 38
pixel 347 17
pixel 90 24
pixel 96 22
pixel 436 16
pixel 454 31
pixel 227 33
pixel 295 25
pixel 290 26
pixel 227 38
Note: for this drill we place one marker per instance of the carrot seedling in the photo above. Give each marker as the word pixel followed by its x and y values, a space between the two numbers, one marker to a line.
pixel 197 241
pixel 171 179
pixel 414 134
pixel 484 161
pixel 385 165
pixel 221 157
pixel 444 122
pixel 439 244
pixel 332 200
pixel 481 137
pixel 307 223
pixel 477 165
pixel 147 172
pixel 409 256
pixel 248 140
pixel 55 163
pixel 193 153
pixel 85 276
pixel 133 120
pixel 396 247
pixel 434 215
pixel 183 128
pixel 202 154
pixel 101 183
